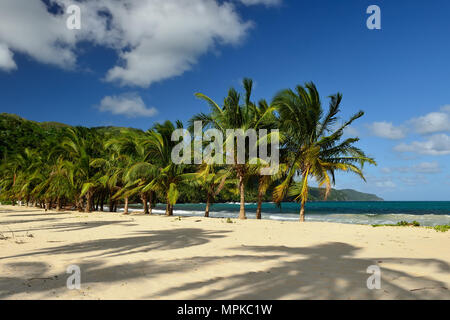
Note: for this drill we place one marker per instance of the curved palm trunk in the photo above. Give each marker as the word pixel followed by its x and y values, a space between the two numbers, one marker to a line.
pixel 125 208
pixel 304 195
pixel 208 204
pixel 302 211
pixel 242 193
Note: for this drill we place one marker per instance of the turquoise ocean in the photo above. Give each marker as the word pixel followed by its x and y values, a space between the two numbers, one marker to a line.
pixel 359 212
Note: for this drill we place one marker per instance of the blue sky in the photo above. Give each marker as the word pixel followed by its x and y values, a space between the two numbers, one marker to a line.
pixel 132 69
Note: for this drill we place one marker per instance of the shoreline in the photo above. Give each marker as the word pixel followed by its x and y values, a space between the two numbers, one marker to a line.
pixel 158 257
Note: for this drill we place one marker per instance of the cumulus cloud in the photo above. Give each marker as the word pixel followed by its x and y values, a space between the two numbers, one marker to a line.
pixel 27 27
pixel 6 58
pixel 155 39
pixel 385 184
pixel 414 180
pixel 433 122
pixel 264 2
pixel 387 130
pixel 435 145
pixel 130 105
pixel 423 167
pixel 427 167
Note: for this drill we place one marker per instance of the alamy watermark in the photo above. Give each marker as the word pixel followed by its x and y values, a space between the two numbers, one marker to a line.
pixel 73 22
pixel 374 281
pixel 230 150
pixel 374 21
pixel 74 280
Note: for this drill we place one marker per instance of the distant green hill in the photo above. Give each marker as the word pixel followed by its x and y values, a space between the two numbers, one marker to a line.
pixel 317 194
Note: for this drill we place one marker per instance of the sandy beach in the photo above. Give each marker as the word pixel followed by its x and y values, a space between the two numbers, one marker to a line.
pixel 156 257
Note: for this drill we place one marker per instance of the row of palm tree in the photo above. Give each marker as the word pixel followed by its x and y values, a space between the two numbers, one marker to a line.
pixel 85 170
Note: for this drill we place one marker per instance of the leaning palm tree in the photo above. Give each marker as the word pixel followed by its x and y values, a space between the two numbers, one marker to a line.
pixel 313 142
pixel 167 176
pixel 80 147
pixel 236 113
pixel 133 169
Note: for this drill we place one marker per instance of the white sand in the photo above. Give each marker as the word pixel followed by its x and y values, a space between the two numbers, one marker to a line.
pixel 153 257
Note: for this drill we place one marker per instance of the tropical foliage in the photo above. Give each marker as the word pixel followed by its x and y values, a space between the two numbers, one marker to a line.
pixel 56 166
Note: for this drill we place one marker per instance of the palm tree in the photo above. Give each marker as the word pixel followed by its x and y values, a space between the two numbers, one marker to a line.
pixel 165 176
pixel 80 147
pixel 234 114
pixel 16 169
pixel 263 117
pixel 60 182
pixel 129 168
pixel 313 143
pixel 211 181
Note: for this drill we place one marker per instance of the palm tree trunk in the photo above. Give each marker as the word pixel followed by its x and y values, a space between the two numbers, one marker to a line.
pixel 242 193
pixel 88 202
pixel 145 202
pixel 111 203
pixel 150 200
pixel 258 208
pixel 169 210
pixel 58 204
pixel 102 201
pixel 302 211
pixel 125 208
pixel 208 204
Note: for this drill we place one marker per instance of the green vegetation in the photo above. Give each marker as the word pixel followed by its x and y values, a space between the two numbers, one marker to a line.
pixel 438 228
pixel 53 165
pixel 399 224
pixel 442 228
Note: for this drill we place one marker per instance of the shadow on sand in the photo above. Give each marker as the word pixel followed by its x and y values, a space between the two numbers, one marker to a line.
pixel 326 271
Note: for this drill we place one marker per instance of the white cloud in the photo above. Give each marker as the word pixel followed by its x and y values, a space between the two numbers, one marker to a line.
pixel 27 27
pixel 350 131
pixel 387 130
pixel 264 2
pixel 130 105
pixel 414 180
pixel 423 167
pixel 6 58
pixel 435 145
pixel 155 39
pixel 433 122
pixel 427 167
pixel 385 184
